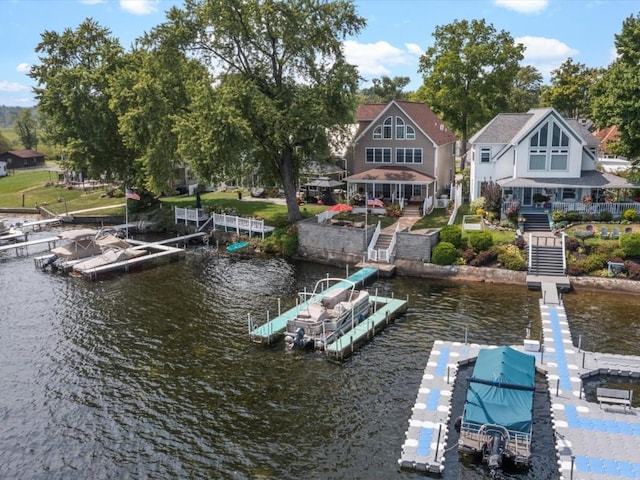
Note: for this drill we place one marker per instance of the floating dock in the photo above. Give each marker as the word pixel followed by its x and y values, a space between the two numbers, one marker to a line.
pixel 385 311
pixel 592 442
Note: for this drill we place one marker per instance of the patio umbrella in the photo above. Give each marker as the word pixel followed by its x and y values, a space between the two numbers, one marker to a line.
pixel 376 202
pixel 340 207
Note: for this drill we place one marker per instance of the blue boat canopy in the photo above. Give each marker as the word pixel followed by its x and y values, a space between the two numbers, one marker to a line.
pixel 501 389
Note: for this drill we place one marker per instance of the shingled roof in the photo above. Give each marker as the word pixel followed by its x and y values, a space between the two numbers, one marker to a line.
pixel 421 114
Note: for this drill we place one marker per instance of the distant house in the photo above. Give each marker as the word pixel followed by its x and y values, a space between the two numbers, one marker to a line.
pixel 539 154
pixel 402 152
pixel 3 169
pixel 606 137
pixel 22 158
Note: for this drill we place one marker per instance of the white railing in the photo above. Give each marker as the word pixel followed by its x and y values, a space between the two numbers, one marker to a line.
pixel 615 209
pixel 372 253
pixel 190 214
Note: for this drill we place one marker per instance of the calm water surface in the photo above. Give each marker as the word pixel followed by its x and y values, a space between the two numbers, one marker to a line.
pixel 151 375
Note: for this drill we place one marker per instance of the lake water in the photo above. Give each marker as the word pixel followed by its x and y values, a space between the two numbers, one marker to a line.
pixel 151 375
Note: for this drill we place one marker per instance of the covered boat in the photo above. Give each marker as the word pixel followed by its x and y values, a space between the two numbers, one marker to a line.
pixel 109 255
pixel 327 314
pixel 498 412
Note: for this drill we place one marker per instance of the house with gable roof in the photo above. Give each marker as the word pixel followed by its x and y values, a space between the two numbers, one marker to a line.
pixel 402 153
pixel 540 154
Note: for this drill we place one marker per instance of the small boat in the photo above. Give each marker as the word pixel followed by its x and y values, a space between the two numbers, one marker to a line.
pixel 237 246
pixel 81 244
pixel 498 412
pixel 109 255
pixel 10 233
pixel 327 314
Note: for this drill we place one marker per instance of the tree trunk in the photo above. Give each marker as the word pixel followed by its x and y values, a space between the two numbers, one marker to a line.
pixel 289 185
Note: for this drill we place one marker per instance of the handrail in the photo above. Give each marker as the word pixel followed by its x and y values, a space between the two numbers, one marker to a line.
pixel 530 252
pixel 564 254
pixel 372 253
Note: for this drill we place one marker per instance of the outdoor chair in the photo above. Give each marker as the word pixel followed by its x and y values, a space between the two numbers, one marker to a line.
pixel 616 233
pixel 589 229
pixel 604 232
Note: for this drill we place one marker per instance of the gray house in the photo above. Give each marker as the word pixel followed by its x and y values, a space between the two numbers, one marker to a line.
pixel 402 153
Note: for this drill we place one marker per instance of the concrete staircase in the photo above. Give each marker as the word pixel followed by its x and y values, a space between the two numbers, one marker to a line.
pixel 384 240
pixel 536 222
pixel 546 265
pixel 412 210
pixel 546 260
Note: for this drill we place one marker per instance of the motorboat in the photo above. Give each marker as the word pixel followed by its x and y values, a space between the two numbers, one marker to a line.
pixel 330 311
pixel 498 412
pixel 80 244
pixel 10 233
pixel 110 254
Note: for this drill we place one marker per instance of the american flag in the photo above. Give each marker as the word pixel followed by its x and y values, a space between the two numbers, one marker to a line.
pixel 132 195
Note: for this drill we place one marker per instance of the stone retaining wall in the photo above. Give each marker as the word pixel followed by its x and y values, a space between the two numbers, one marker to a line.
pixel 331 244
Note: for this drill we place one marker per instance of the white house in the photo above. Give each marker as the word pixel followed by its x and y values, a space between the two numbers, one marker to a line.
pixel 539 152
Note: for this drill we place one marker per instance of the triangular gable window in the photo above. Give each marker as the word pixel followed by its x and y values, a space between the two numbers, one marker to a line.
pixel 549 149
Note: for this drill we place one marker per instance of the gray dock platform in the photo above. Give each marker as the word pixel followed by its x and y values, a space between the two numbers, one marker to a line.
pixel 592 442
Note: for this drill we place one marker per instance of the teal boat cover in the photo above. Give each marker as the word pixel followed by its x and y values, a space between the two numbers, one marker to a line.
pixel 501 389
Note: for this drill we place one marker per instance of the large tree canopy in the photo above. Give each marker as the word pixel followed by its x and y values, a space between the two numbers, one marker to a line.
pixel 616 95
pixel 281 82
pixel 569 90
pixel 525 92
pixel 468 74
pixel 73 93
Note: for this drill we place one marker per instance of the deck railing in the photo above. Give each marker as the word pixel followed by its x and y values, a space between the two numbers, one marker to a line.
pixel 615 209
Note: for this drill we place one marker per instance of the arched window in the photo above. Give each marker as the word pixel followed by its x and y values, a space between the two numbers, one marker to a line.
pixel 388 128
pixel 377 133
pixel 399 129
pixel 410 133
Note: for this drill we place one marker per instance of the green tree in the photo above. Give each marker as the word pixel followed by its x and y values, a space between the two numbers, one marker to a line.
pixel 385 89
pixel 616 95
pixel 281 67
pixel 5 144
pixel 148 93
pixel 525 91
pixel 468 74
pixel 26 129
pixel 72 90
pixel 569 90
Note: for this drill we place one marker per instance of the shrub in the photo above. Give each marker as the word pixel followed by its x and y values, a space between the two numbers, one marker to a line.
pixel 575 270
pixel 444 253
pixel 520 242
pixel 630 244
pixel 606 216
pixel 451 234
pixel 633 270
pixel 468 255
pixel 593 263
pixel 486 257
pixel 480 241
pixel 572 244
pixel 573 216
pixel 557 216
pixel 477 204
pixel 630 215
pixel 511 258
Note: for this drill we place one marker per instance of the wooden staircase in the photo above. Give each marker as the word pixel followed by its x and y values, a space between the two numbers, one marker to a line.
pixel 546 263
pixel 536 222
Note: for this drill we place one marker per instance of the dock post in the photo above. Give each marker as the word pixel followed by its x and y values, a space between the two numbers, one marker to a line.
pixel 435 457
pixel 448 374
pixel 573 459
pixel 249 323
pixel 557 387
pixel 583 355
pixel 279 308
pixel 466 333
pixel 580 344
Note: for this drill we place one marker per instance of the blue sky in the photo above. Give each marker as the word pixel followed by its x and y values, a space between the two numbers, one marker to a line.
pixel 397 31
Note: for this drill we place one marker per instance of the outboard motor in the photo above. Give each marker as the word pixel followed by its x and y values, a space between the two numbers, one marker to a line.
pixel 496 448
pixel 298 340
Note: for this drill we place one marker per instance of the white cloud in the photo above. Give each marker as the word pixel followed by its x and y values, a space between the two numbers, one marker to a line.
pixel 545 54
pixel 375 59
pixel 12 87
pixel 541 48
pixel 23 68
pixel 139 7
pixel 523 6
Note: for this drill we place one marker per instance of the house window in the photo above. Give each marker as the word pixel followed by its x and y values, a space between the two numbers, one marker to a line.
pixel 485 155
pixel 408 155
pixel 378 155
pixel 410 133
pixel 399 128
pixel 387 128
pixel 543 158
pixel 377 133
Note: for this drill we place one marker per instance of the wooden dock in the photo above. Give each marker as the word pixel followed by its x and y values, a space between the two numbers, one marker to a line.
pixel 22 248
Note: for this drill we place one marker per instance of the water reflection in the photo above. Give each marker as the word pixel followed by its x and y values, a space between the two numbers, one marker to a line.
pixel 152 374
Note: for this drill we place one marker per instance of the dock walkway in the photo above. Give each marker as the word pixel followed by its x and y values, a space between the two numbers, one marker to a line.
pixel 592 442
